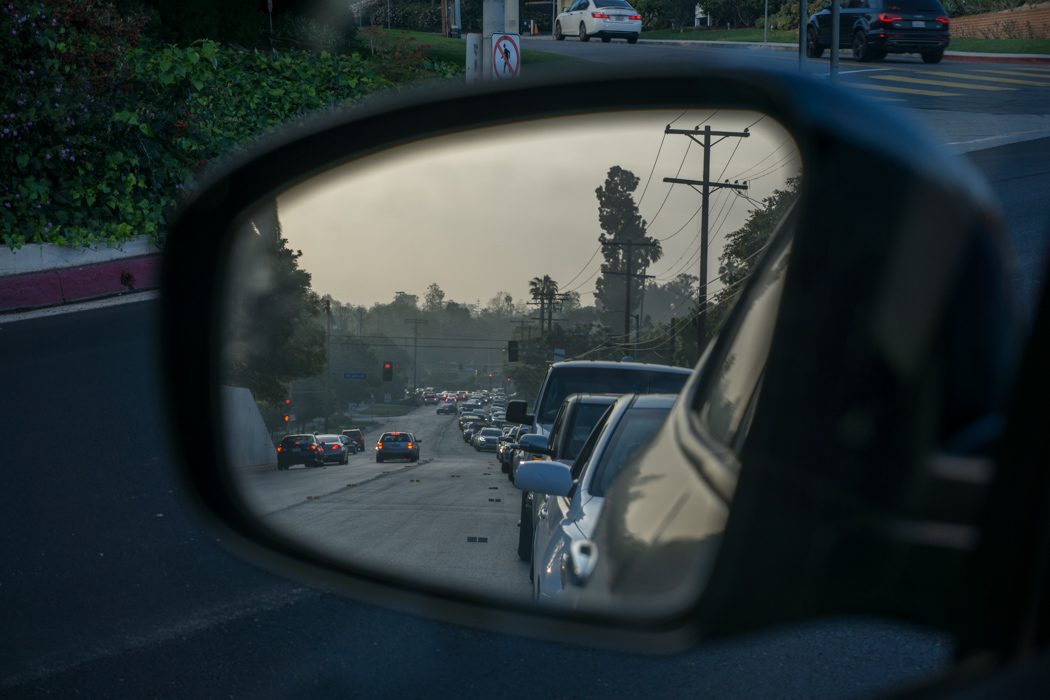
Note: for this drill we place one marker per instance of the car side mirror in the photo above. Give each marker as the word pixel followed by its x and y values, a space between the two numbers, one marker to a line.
pixel 517 413
pixel 544 476
pixel 535 444
pixel 833 507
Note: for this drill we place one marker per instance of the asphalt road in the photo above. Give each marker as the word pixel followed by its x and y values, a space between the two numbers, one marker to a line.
pixel 450 519
pixel 994 88
pixel 112 588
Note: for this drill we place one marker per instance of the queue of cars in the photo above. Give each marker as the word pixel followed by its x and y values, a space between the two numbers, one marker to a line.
pixel 589 418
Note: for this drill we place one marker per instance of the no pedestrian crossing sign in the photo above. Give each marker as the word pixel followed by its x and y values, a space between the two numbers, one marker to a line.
pixel 506 56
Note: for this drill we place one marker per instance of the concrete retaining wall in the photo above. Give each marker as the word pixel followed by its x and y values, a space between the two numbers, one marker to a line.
pixel 248 444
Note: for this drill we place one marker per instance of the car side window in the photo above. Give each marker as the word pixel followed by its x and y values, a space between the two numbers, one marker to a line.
pixel 588 447
pixel 736 367
pixel 559 424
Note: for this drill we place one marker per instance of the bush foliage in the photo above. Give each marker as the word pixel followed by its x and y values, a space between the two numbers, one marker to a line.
pixel 101 129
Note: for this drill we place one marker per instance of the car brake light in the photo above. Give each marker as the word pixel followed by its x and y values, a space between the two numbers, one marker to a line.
pixel 599 15
pixel 280 449
pixel 335 447
pixel 635 17
pixel 313 448
pixel 943 20
pixel 410 445
pixel 888 18
pixel 379 445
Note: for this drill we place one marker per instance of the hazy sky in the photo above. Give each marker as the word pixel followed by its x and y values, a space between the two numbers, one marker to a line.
pixel 489 211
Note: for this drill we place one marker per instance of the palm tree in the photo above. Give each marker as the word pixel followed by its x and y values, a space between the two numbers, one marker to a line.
pixel 544 289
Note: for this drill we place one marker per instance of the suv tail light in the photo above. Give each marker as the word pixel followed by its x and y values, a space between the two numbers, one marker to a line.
pixel 943 20
pixel 887 18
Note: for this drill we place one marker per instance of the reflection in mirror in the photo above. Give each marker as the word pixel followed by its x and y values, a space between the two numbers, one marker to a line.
pixel 402 300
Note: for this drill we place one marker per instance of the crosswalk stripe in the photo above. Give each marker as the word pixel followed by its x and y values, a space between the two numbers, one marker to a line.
pixel 1017 73
pixel 904 90
pixel 941 83
pixel 1017 79
pixel 1011 81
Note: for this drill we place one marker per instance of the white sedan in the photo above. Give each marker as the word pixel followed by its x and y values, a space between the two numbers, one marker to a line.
pixel 605 19
pixel 573 496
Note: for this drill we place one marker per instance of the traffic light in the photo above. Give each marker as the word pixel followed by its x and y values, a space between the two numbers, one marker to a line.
pixel 512 351
pixel 490 375
pixel 287 409
pixel 388 371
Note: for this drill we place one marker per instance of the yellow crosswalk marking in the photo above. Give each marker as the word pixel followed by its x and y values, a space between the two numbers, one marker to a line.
pixel 1017 78
pixel 904 90
pixel 941 83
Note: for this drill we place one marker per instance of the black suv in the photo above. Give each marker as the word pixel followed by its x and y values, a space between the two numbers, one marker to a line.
pixel 874 28
pixel 300 449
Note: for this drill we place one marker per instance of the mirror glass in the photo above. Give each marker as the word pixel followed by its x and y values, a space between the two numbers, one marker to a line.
pixel 404 298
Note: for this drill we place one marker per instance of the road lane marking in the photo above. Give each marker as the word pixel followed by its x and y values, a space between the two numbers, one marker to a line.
pixel 1014 81
pixel 188 624
pixel 941 83
pixel 905 91
pixel 864 70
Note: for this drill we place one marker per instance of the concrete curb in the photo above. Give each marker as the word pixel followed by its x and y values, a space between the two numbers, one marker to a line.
pixel 68 284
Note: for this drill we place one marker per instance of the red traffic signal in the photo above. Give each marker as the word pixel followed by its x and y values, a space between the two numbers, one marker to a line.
pixel 388 371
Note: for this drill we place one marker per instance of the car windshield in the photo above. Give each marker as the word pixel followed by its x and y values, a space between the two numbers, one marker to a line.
pixel 633 431
pixel 612 380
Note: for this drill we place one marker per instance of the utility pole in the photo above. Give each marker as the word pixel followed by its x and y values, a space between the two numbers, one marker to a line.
pixel 415 348
pixel 628 276
pixel 328 372
pixel 705 193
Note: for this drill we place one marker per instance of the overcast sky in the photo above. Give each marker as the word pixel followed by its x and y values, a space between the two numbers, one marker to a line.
pixel 489 211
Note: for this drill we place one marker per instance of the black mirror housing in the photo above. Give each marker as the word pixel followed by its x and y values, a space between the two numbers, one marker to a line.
pixel 826 517
pixel 517 413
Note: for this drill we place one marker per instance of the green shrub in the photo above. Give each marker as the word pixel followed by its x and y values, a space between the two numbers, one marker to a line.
pixel 99 133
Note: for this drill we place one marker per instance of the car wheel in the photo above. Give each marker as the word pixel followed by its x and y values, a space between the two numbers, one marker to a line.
pixel 932 56
pixel 813 49
pixel 860 48
pixel 525 532
pixel 557 32
pixel 583 33
pixel 632 39
pixel 606 39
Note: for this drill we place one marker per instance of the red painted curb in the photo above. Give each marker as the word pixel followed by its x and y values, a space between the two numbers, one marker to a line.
pixel 65 285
